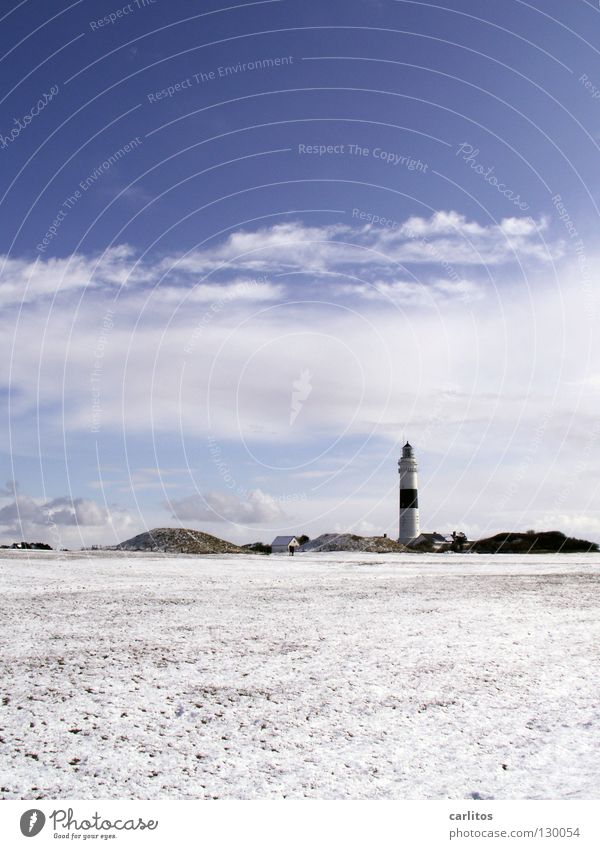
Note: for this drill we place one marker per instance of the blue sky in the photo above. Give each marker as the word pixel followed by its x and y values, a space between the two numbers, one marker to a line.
pixel 247 251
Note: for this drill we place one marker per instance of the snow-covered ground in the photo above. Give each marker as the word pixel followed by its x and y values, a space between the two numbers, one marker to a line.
pixel 326 675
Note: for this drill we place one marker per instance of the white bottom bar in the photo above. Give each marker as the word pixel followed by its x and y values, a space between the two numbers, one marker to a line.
pixel 330 824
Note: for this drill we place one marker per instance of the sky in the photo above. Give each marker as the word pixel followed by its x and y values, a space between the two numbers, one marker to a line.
pixel 247 251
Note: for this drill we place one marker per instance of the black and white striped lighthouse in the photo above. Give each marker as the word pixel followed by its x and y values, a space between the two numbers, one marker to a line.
pixel 409 498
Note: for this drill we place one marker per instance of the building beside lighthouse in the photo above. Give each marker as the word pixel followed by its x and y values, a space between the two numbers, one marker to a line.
pixel 409 497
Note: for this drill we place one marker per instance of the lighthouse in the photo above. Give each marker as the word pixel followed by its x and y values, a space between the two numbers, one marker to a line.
pixel 409 499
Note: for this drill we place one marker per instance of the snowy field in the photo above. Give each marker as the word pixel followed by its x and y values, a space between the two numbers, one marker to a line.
pixel 325 676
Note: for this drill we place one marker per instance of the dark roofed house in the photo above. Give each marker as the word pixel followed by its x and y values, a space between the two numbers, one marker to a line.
pixel 436 540
pixel 284 545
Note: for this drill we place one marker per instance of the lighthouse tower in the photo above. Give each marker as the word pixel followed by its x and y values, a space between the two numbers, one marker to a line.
pixel 409 499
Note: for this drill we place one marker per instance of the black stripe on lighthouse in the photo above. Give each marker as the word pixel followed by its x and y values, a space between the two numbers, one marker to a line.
pixel 408 498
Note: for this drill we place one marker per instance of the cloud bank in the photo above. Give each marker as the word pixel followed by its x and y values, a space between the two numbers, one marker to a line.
pixel 478 340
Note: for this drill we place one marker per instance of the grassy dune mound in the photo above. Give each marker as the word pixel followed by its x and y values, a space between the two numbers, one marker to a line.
pixel 532 542
pixel 179 541
pixel 353 542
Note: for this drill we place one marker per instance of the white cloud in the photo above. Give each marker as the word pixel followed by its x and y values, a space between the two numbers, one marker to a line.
pixel 238 291
pixel 223 360
pixel 523 226
pixel 362 528
pixel 24 281
pixel 256 508
pixel 60 511
pixel 231 371
pixel 59 521
pixel 573 524
pixel 444 237
pixel 139 479
pixel 435 292
pixel 442 223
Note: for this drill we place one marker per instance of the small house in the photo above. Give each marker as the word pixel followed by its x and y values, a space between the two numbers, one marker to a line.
pixel 284 545
pixel 434 540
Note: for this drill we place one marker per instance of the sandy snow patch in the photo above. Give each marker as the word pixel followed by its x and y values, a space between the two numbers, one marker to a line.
pixel 330 676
